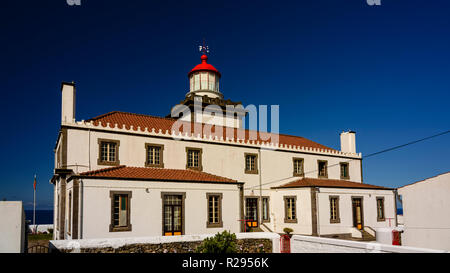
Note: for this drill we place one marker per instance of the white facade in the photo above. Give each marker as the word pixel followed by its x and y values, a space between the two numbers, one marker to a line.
pixel 324 225
pixel 146 206
pixel 308 244
pixel 78 148
pixel 426 210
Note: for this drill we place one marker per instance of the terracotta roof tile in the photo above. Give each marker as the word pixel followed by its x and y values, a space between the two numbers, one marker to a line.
pixel 156 174
pixel 145 121
pixel 328 183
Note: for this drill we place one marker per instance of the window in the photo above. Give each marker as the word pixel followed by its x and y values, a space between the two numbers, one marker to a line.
pixel 251 164
pixel 252 211
pixel 334 209
pixel 194 158
pixel 380 209
pixel 322 167
pixel 173 213
pixel 108 152
pixel 154 155
pixel 265 208
pixel 120 211
pixel 290 212
pixel 211 81
pixel 70 213
pixel 196 81
pixel 298 166
pixel 204 81
pixel 344 170
pixel 214 210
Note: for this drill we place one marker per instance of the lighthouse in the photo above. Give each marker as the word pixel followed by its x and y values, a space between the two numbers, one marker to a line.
pixel 204 80
pixel 205 94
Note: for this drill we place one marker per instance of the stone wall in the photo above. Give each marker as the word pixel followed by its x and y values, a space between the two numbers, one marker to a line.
pixel 254 242
pixel 243 246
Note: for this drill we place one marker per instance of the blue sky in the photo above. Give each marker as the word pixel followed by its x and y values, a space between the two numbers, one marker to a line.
pixel 331 65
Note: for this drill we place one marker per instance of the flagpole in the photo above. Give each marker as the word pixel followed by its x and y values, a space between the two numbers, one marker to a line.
pixel 34 204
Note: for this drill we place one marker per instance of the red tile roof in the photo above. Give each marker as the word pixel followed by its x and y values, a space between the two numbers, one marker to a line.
pixel 145 121
pixel 160 174
pixel 328 183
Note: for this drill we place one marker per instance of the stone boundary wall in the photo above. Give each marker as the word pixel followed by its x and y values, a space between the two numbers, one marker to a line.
pixel 255 242
pixel 309 244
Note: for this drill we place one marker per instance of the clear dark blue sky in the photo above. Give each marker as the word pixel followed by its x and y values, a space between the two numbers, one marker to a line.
pixel 331 65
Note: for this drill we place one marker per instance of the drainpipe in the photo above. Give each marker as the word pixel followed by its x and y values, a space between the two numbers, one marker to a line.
pixel 81 208
pixel 317 209
pixel 89 148
pixel 395 205
pixel 260 187
pixel 362 180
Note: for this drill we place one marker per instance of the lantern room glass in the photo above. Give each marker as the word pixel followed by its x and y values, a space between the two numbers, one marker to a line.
pixel 204 81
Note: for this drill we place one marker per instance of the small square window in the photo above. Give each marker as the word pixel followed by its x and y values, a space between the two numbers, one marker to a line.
pixel 194 158
pixel 108 152
pixel 154 155
pixel 323 168
pixel 298 166
pixel 251 163
pixel 345 170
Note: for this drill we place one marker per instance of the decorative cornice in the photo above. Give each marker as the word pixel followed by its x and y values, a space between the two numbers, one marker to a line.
pixel 116 128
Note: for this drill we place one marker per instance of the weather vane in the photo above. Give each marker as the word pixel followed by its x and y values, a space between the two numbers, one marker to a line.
pixel 203 48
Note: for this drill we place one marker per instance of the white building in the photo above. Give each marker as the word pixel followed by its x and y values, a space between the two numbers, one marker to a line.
pixel 426 211
pixel 123 174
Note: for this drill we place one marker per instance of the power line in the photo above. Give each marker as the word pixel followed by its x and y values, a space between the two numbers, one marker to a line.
pixel 407 144
pixel 369 155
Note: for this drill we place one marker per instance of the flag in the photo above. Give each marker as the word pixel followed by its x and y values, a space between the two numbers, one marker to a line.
pixel 34 184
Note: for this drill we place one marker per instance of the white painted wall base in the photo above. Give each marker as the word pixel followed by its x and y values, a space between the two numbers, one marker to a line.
pixel 309 244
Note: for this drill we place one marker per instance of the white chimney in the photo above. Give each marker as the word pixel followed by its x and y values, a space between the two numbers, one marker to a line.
pixel 348 143
pixel 68 102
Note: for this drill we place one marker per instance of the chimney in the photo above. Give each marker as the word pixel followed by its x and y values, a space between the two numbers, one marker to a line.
pixel 348 143
pixel 68 102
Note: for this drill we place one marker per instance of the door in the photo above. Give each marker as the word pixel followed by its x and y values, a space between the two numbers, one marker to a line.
pixel 173 215
pixel 358 218
pixel 251 211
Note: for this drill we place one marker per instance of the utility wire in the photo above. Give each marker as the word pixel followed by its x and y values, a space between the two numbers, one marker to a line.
pixel 369 155
pixel 407 144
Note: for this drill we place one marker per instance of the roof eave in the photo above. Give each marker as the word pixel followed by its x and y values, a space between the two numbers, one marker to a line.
pixel 338 187
pixel 154 179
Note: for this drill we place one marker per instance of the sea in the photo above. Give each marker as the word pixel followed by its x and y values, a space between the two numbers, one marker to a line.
pixel 43 217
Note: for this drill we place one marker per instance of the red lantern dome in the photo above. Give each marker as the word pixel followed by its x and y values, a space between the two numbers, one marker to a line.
pixel 204 66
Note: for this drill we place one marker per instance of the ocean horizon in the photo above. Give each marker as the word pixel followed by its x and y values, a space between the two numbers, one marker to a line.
pixel 43 217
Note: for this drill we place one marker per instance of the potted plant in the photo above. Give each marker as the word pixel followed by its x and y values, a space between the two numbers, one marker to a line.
pixel 288 231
